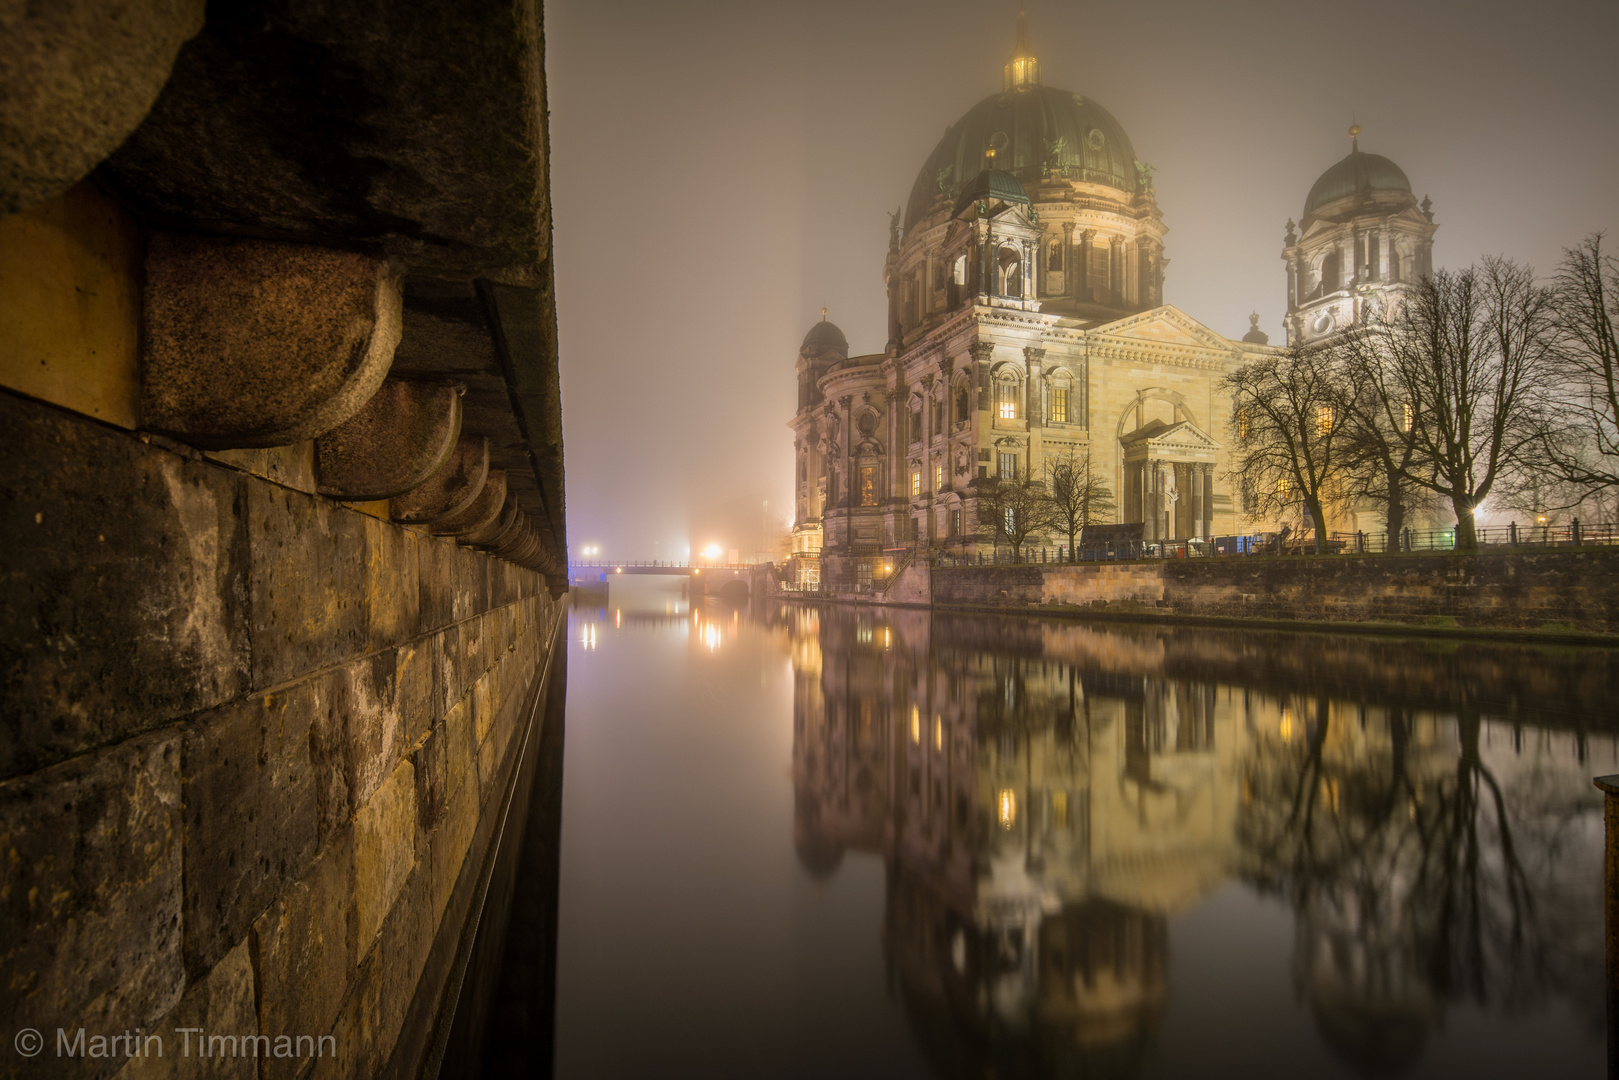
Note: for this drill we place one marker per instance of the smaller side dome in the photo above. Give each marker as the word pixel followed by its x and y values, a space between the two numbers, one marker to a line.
pixel 991 184
pixel 1354 174
pixel 825 335
pixel 1255 336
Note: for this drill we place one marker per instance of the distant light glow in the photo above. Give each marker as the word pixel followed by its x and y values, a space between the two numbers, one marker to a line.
pixel 713 551
pixel 1006 808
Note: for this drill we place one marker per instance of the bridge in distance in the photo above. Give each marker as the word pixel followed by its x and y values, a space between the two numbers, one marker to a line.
pixel 730 579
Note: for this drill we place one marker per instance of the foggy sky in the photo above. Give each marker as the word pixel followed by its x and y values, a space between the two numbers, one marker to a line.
pixel 722 170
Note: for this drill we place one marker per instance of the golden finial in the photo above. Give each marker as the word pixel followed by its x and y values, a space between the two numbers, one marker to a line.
pixel 823 314
pixel 1354 134
pixel 990 153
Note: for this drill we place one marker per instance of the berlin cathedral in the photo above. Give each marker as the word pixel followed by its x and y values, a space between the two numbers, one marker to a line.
pixel 1027 321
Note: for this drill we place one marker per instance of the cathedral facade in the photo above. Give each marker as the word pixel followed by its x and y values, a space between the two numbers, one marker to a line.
pixel 1027 324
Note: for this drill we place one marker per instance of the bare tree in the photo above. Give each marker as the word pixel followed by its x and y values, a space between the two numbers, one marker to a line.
pixel 1078 493
pixel 1012 510
pixel 1287 431
pixel 1583 447
pixel 1378 449
pixel 1462 370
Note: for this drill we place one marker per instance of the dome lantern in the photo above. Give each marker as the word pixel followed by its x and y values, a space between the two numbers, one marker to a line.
pixel 1024 67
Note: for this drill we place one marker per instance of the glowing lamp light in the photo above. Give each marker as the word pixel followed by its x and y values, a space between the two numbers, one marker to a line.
pixel 618 569
pixel 1006 808
pixel 712 551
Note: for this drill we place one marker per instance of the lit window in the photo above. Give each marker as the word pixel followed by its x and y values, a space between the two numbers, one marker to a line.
pixel 1408 418
pixel 1245 425
pixel 1059 405
pixel 868 485
pixel 1323 419
pixel 938 478
pixel 916 725
pixel 955 523
pixel 1006 400
pixel 938 733
pixel 1008 470
pixel 916 481
pixel 1283 485
pixel 1059 809
pixel 1011 522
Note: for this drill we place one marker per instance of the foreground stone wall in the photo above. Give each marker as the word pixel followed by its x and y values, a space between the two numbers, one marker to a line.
pixel 1531 589
pixel 253 743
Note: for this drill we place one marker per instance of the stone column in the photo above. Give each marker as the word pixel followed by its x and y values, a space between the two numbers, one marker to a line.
pixel 1083 277
pixel 1034 356
pixel 1115 271
pixel 1292 284
pixel 1069 278
pixel 1151 519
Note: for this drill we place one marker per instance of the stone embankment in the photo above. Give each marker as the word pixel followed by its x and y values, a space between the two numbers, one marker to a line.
pixel 282 522
pixel 1551 592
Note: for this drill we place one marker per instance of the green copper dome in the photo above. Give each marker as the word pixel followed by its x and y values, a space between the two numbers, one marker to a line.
pixel 1354 174
pixel 1030 127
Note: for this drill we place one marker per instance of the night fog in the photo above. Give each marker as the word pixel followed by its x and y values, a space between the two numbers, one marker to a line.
pixel 723 171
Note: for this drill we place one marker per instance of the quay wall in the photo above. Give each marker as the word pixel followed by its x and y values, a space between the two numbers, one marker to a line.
pixel 1556 591
pixel 1574 590
pixel 254 742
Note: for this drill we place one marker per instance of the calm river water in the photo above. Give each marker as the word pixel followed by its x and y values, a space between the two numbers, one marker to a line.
pixel 803 841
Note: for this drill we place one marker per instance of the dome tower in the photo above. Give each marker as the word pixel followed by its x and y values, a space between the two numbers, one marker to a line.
pixel 1363 239
pixel 1087 237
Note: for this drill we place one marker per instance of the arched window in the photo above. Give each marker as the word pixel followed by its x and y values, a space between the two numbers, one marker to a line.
pixel 1009 273
pixel 1006 399
pixel 1329 273
pixel 916 422
pixel 964 408
pixel 1054 256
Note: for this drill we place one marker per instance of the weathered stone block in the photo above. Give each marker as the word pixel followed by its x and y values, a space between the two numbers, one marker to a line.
pixel 308 583
pixel 431 778
pixel 252 814
pixel 485 704
pixel 392 597
pixel 375 737
pixel 403 944
pixel 472 570
pixel 304 949
pixel 449 490
pixel 122 588
pixel 450 843
pixel 436 583
pixel 417 696
pixel 91 892
pixel 449 680
pixel 222 1002
pixel 290 466
pixel 384 850
pixel 460 749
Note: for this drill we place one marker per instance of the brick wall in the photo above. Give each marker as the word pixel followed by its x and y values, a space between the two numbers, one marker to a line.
pixel 250 738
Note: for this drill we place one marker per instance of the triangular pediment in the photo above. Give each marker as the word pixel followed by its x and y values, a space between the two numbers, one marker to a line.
pixel 1167 325
pixel 1181 434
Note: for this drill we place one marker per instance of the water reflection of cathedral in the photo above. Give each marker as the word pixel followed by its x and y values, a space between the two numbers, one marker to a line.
pixel 1048 799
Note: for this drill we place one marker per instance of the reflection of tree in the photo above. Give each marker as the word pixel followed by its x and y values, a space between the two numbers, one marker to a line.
pixel 1484 929
pixel 1406 876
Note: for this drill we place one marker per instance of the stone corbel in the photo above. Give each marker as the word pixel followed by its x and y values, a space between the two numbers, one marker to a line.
pixel 499 526
pixel 254 343
pixel 479 513
pixel 449 490
pixel 402 436
pixel 75 80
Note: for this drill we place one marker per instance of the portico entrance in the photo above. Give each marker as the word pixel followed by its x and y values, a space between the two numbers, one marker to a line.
pixel 1169 480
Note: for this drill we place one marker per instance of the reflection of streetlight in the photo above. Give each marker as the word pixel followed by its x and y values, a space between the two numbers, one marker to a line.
pixel 1007 810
